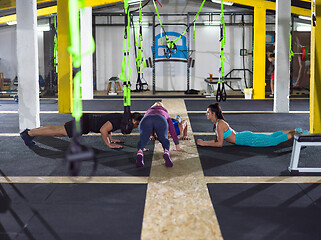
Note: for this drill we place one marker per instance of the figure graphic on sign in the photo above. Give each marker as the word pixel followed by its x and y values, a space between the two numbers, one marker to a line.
pixel 304 66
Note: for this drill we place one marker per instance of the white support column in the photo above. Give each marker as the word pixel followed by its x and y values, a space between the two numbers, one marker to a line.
pixel 27 56
pixel 87 89
pixel 282 59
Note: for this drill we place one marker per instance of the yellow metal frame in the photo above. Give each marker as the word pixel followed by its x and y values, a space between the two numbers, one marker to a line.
pixel 65 60
pixel 315 75
pixel 259 53
pixel 49 10
pixel 40 12
pixel 260 7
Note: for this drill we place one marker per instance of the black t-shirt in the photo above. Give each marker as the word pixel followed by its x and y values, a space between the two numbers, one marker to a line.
pixel 96 121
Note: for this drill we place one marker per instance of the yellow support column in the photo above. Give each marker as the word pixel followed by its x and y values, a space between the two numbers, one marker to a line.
pixel 315 80
pixel 259 52
pixel 64 59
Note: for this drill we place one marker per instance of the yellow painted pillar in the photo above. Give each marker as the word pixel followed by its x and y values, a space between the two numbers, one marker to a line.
pixel 315 80
pixel 259 52
pixel 64 59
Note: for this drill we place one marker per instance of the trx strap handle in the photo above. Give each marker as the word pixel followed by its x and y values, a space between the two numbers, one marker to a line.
pixel 221 92
pixel 76 152
pixel 140 59
pixel 126 125
pixel 55 46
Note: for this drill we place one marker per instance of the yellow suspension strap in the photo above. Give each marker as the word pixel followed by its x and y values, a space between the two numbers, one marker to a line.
pixel 126 125
pixel 77 152
pixel 221 92
pixel 170 45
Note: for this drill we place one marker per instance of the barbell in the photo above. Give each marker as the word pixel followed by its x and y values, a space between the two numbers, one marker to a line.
pixel 304 53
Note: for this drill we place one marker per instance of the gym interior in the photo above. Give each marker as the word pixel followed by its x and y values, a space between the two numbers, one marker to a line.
pixel 258 59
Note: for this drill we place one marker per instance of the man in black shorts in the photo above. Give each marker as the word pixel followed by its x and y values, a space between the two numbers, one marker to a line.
pixel 104 124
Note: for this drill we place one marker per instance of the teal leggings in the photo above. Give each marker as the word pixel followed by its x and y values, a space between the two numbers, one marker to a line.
pixel 247 138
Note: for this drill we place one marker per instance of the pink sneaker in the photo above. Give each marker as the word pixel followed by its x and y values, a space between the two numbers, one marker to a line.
pixel 140 160
pixel 167 158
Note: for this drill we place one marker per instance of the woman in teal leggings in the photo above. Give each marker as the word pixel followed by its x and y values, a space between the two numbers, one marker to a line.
pixel 245 138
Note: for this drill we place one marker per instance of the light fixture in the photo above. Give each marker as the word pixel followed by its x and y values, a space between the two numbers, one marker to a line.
pixel 12 23
pixel 43 28
pixel 224 2
pixel 303 28
pixel 130 2
pixel 305 18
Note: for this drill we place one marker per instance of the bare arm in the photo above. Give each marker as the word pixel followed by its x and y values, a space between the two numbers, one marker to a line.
pixel 184 126
pixel 105 131
pixel 218 142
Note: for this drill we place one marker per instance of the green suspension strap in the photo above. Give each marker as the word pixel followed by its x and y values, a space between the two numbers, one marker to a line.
pixel 221 93
pixel 291 52
pixel 55 46
pixel 76 152
pixel 171 46
pixel 140 60
pixel 126 125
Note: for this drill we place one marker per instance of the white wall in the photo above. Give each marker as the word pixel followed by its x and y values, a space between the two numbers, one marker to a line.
pixel 8 58
pixel 41 54
pixel 172 76
pixel 8 53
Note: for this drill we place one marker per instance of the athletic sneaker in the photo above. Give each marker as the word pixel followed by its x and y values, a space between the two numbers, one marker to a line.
pixel 298 130
pixel 26 138
pixel 167 158
pixel 140 160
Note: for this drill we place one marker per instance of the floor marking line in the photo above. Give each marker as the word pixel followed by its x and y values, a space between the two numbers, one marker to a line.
pixel 133 134
pixel 178 204
pixel 258 179
pixel 194 112
pixel 79 179
pixel 249 112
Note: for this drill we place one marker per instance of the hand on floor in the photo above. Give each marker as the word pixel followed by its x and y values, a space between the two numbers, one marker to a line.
pixel 117 141
pixel 115 146
pixel 184 138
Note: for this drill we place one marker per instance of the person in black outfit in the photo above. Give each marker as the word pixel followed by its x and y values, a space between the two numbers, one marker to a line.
pixel 104 124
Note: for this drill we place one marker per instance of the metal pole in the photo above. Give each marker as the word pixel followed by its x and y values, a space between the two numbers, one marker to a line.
pixel 94 55
pixel 51 60
pixel 187 53
pixel 154 80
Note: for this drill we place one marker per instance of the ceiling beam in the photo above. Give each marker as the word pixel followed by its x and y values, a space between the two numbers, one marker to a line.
pixel 271 6
pixel 40 12
pixel 95 3
pixel 9 4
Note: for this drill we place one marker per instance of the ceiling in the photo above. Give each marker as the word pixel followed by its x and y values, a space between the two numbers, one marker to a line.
pixel 7 7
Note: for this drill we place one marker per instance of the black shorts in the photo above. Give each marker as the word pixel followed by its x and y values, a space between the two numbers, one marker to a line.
pixel 84 124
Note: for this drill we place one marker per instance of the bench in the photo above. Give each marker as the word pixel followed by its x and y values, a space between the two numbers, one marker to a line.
pixel 301 140
pixel 228 82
